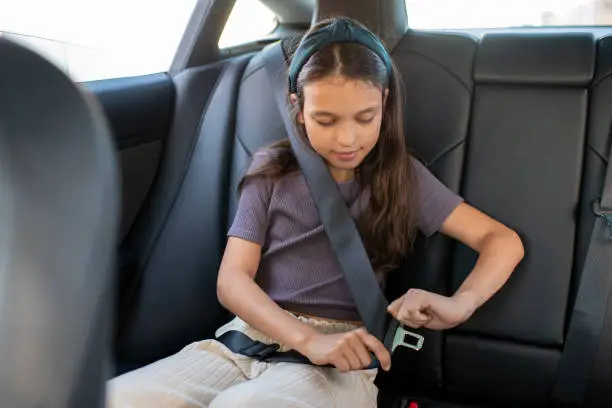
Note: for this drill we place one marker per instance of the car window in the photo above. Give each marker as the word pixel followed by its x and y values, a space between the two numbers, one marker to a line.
pixel 249 21
pixel 95 39
pixel 465 14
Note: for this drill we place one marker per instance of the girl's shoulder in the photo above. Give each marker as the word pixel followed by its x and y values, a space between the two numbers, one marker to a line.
pixel 267 170
pixel 275 161
pixel 260 159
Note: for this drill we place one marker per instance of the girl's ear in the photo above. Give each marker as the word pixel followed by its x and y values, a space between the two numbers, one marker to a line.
pixel 293 98
pixel 385 96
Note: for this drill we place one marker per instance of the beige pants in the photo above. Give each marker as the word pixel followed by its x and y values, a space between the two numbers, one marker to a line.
pixel 207 374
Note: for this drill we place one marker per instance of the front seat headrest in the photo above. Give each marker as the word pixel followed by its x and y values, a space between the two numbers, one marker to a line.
pixel 59 193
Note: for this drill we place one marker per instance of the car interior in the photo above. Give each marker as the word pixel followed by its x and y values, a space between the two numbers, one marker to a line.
pixel 518 122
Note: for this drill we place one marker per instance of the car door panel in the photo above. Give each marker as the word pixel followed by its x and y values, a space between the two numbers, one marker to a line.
pixel 139 110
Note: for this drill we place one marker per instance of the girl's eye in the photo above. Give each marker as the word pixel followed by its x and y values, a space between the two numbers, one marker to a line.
pixel 365 121
pixel 329 123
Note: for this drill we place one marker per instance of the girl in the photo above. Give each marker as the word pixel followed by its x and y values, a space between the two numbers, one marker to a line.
pixel 279 275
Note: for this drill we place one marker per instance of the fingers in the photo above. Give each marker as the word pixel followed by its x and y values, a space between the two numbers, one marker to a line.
pixel 340 362
pixel 394 307
pixel 345 355
pixel 410 309
pixel 351 344
pixel 414 318
pixel 379 350
pixel 353 352
pixel 359 347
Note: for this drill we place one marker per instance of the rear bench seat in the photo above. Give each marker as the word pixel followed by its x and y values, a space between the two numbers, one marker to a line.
pixel 524 161
pixel 524 166
pixel 517 124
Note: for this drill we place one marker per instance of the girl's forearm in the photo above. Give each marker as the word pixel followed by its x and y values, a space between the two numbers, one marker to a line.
pixel 243 297
pixel 499 254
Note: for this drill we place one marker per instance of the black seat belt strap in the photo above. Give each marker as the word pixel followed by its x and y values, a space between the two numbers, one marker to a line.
pixel 589 310
pixel 240 343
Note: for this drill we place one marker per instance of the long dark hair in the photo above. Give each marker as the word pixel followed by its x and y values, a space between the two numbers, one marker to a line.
pixel 387 225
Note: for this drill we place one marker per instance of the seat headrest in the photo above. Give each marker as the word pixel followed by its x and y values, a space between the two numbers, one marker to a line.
pixel 58 216
pixel 387 18
pixel 544 59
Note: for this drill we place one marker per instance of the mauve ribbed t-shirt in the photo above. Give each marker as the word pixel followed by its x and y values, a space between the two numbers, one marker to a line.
pixel 298 268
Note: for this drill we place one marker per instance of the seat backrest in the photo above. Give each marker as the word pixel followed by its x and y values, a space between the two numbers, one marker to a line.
pixel 258 120
pixel 59 215
pixel 179 237
pixel 524 167
pixel 437 73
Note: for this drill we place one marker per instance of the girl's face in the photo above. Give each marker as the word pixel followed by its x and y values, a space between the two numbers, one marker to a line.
pixel 342 118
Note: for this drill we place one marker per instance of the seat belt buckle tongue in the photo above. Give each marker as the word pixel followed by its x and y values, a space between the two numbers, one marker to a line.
pixel 260 351
pixel 399 340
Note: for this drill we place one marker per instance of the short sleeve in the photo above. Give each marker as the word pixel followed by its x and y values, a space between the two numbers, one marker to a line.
pixel 435 201
pixel 251 219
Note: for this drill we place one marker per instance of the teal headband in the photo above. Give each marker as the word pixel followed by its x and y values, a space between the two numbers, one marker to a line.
pixel 340 30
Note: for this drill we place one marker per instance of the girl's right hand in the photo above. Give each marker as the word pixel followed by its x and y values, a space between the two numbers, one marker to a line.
pixel 346 351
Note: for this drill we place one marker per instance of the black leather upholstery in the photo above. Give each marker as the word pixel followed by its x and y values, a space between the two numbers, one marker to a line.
pixel 255 127
pixel 513 132
pixel 436 69
pixel 59 218
pixel 555 59
pixel 524 167
pixel 180 236
pixel 518 124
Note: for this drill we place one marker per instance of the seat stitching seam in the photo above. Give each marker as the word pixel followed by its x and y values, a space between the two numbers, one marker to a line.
pixel 441 65
pixel 592 149
pixel 243 145
pixel 251 72
pixel 601 79
pixel 445 152
pixel 147 257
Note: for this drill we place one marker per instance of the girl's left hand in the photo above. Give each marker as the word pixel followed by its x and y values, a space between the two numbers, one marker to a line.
pixel 420 308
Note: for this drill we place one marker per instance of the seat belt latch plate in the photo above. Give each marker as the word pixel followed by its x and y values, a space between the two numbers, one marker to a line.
pixel 401 339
